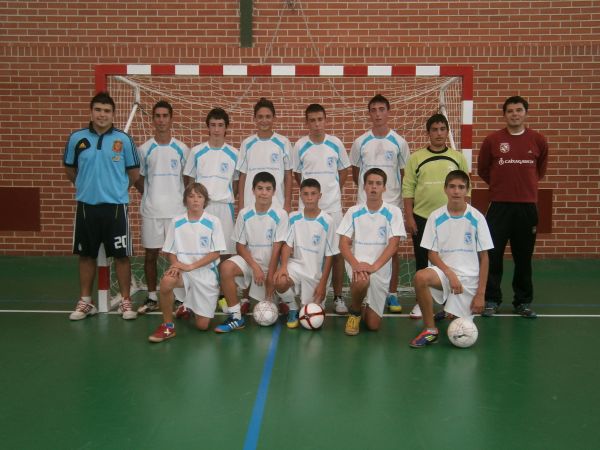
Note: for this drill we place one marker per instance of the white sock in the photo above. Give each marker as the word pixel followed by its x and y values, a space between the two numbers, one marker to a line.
pixel 152 296
pixel 235 311
pixel 87 299
pixel 289 299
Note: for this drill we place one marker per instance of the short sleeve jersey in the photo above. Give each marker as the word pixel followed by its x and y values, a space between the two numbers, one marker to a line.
pixel 259 231
pixel 215 168
pixel 322 162
pixel 424 178
pixel 192 240
pixel 458 239
pixel 102 162
pixel 370 231
pixel 389 153
pixel 265 155
pixel 162 166
pixel 312 240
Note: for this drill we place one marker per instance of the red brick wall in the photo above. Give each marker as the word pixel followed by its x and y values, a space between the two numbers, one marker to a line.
pixel 547 51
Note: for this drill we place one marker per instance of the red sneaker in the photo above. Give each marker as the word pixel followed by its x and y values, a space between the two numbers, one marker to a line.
pixel 162 333
pixel 182 312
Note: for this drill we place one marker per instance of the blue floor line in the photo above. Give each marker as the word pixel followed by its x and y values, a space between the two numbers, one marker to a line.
pixel 261 396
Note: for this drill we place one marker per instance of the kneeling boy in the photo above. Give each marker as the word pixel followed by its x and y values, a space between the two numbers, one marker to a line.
pixel 312 240
pixel 369 237
pixel 193 245
pixel 457 237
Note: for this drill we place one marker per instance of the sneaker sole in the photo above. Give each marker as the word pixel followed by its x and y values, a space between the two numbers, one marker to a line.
pixel 415 317
pixel 230 330
pixel 395 309
pixel 156 340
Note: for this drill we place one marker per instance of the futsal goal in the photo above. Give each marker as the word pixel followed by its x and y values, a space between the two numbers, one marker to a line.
pixel 414 92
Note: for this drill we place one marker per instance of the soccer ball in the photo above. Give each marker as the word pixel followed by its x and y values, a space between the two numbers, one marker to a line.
pixel 265 313
pixel 462 332
pixel 311 316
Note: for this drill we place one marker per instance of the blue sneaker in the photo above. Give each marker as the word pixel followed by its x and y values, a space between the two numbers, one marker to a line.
pixel 393 303
pixel 424 338
pixel 230 324
pixel 292 319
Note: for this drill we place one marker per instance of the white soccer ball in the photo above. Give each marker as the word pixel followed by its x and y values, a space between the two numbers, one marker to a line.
pixel 462 332
pixel 265 313
pixel 311 316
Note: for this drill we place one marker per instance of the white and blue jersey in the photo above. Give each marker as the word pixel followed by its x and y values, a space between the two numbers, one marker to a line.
pixel 259 231
pixel 102 162
pixel 371 231
pixel 191 240
pixel 162 165
pixel 322 162
pixel 458 239
pixel 389 153
pixel 215 168
pixel 312 239
pixel 265 155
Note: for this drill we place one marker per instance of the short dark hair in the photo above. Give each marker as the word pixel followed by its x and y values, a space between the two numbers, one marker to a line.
pixel 103 98
pixel 514 100
pixel 162 104
pixel 310 182
pixel 218 114
pixel 313 108
pixel 437 118
pixel 378 98
pixel 198 188
pixel 264 103
pixel 264 177
pixel 375 171
pixel 457 175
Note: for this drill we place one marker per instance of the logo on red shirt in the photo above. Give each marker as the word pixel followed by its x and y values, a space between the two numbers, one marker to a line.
pixel 504 147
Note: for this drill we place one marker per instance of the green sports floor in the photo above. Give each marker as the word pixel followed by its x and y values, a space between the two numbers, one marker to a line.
pixel 98 383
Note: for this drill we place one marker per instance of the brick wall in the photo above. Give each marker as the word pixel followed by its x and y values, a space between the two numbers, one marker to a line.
pixel 547 51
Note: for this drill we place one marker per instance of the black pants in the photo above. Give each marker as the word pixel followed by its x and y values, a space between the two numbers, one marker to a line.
pixel 514 222
pixel 421 254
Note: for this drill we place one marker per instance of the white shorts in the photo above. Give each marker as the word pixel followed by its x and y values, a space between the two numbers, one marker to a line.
pixel 379 283
pixel 224 211
pixel 458 305
pixel 154 232
pixel 200 291
pixel 246 281
pixel 303 286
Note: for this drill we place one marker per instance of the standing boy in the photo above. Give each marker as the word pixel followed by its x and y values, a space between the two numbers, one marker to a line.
pixel 324 158
pixel 265 151
pixel 512 161
pixel 307 254
pixel 193 244
pixel 162 159
pixel 102 162
pixel 382 147
pixel 369 236
pixel 457 238
pixel 260 231
pixel 423 185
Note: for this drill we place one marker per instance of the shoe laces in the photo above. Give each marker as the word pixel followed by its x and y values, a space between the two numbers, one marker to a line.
pixel 83 306
pixel 126 304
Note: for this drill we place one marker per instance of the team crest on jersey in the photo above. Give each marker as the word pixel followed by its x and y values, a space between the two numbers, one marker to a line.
pixel 274 157
pixel 468 237
pixel 269 234
pixel 83 144
pixel 330 162
pixel 117 146
pixel 224 167
pixel 316 239
pixel 174 164
pixel 203 241
pixel 504 147
pixel 381 232
pixel 389 155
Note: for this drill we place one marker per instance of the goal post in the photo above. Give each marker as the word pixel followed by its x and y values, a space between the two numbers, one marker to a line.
pixel 415 93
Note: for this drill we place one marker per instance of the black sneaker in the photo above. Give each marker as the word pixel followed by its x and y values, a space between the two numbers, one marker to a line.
pixel 490 310
pixel 524 311
pixel 442 315
pixel 148 306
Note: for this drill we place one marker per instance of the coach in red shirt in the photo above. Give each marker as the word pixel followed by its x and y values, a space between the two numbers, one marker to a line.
pixel 512 161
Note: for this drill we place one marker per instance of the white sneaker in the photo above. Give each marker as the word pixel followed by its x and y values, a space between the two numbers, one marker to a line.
pixel 126 309
pixel 416 312
pixel 339 306
pixel 82 310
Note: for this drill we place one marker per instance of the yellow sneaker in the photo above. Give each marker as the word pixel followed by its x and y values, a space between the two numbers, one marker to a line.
pixel 352 325
pixel 223 305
